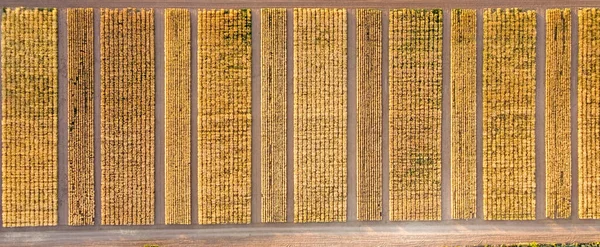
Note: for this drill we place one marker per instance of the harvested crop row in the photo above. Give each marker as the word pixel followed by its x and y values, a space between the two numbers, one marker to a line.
pixel 80 33
pixel 320 117
pixel 558 113
pixel 463 47
pixel 273 112
pixel 588 128
pixel 509 114
pixel 369 127
pixel 415 110
pixel 177 117
pixel 127 122
pixel 30 113
pixel 224 116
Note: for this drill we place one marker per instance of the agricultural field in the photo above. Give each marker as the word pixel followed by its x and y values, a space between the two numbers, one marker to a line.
pixel 29 117
pixel 80 32
pixel 320 115
pixel 463 79
pixel 177 117
pixel 273 111
pixel 224 116
pixel 369 126
pixel 588 104
pixel 127 122
pixel 415 119
pixel 509 114
pixel 558 113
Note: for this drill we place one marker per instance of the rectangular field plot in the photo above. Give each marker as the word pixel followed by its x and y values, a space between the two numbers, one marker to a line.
pixel 273 112
pixel 29 117
pixel 415 108
pixel 178 185
pixel 224 116
pixel 127 122
pixel 509 114
pixel 588 129
pixel 463 79
pixel 558 113
pixel 369 127
pixel 80 32
pixel 320 117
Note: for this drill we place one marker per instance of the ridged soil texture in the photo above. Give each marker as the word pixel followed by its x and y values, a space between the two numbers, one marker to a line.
pixel 273 112
pixel 29 117
pixel 509 114
pixel 415 114
pixel 224 115
pixel 127 122
pixel 80 35
pixel 320 117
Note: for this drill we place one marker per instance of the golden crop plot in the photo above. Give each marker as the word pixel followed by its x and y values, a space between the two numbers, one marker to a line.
pixel 588 129
pixel 29 117
pixel 415 108
pixel 509 114
pixel 369 127
pixel 320 117
pixel 558 113
pixel 127 108
pixel 177 117
pixel 80 33
pixel 463 47
pixel 224 116
pixel 273 112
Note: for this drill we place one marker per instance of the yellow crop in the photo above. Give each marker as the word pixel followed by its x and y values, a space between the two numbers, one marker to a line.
pixel 509 114
pixel 588 129
pixel 369 127
pixel 273 112
pixel 463 80
pixel 558 113
pixel 29 112
pixel 177 117
pixel 320 118
pixel 224 116
pixel 127 122
pixel 415 120
pixel 80 33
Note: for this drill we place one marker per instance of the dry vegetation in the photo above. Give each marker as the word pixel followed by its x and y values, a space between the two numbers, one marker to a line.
pixel 80 33
pixel 415 114
pixel 509 114
pixel 177 117
pixel 320 118
pixel 369 127
pixel 224 116
pixel 127 122
pixel 558 113
pixel 273 112
pixel 588 129
pixel 29 112
pixel 463 80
